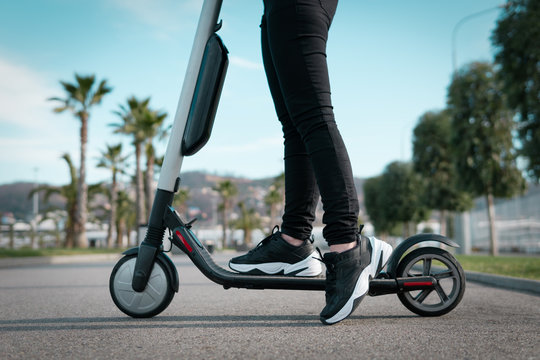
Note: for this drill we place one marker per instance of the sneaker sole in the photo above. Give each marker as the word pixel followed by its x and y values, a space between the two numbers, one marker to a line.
pixel 308 267
pixel 380 254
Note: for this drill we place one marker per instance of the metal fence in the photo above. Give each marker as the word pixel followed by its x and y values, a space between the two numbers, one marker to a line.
pixel 517 223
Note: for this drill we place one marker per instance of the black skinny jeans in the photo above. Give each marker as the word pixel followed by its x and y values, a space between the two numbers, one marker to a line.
pixel 293 38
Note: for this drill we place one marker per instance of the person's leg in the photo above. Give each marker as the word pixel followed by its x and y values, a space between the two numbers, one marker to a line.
pixel 297 34
pixel 301 191
pixel 289 252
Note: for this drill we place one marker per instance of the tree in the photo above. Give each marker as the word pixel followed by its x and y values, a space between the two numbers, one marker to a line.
pixel 151 124
pixel 80 98
pixel 125 217
pixel 433 161
pixel 377 216
pixel 68 192
pixel 248 221
pixel 401 198
pixel 227 190
pixel 133 116
pixel 180 199
pixel 482 138
pixel 113 160
pixel 56 216
pixel 275 197
pixel 395 198
pixel 516 40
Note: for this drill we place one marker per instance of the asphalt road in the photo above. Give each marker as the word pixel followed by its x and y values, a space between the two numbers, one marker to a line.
pixel 65 311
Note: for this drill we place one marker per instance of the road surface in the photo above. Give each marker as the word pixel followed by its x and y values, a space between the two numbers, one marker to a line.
pixel 65 311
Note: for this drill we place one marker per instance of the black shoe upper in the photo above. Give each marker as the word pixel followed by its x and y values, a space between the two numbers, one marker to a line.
pixel 342 273
pixel 275 249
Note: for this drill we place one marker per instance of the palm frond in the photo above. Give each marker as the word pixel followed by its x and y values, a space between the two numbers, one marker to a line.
pixel 56 99
pixel 47 189
pixel 101 91
pixel 69 88
pixel 60 109
pixel 72 169
pixel 85 83
pixel 97 188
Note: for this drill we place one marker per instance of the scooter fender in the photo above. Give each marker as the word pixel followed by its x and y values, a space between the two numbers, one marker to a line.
pixel 165 261
pixel 398 252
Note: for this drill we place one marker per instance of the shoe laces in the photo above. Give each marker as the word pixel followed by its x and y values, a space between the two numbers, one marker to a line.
pixel 329 265
pixel 265 241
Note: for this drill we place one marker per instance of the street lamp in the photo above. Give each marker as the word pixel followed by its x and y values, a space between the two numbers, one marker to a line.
pixel 36 196
pixel 464 20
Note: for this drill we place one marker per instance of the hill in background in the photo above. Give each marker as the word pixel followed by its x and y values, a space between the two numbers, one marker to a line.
pixel 14 199
pixel 202 203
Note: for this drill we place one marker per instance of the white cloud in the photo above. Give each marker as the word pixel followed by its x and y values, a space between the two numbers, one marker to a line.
pixel 21 157
pixel 38 150
pixel 245 64
pixel 23 96
pixel 31 135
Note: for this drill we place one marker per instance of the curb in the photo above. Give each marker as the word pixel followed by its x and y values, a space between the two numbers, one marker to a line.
pixel 505 282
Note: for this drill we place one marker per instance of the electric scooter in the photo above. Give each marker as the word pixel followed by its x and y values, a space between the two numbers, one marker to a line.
pixel 429 281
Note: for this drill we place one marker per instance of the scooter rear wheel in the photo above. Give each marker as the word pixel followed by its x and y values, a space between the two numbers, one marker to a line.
pixel 448 291
pixel 155 298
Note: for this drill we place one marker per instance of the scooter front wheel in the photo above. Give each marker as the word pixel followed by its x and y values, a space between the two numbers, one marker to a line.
pixel 448 273
pixel 155 298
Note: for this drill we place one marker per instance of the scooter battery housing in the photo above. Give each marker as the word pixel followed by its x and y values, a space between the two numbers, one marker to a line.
pixel 206 96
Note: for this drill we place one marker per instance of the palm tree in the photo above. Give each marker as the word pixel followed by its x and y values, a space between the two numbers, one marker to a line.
pixel 151 124
pixel 113 160
pixel 125 219
pixel 275 197
pixel 248 221
pixel 56 215
pixel 142 124
pixel 130 115
pixel 80 98
pixel 68 192
pixel 180 199
pixel 227 190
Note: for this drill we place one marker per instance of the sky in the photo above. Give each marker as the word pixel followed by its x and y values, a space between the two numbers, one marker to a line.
pixel 390 61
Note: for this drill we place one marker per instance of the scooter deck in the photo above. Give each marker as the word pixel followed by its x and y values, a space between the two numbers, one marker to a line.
pixel 184 239
pixel 187 242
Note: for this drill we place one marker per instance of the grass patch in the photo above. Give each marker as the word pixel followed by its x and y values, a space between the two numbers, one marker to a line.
pixel 24 252
pixel 516 266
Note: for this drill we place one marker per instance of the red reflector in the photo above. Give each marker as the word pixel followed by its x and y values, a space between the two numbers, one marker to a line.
pixel 419 283
pixel 184 241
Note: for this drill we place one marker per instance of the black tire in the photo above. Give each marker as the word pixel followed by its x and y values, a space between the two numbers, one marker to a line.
pixel 450 285
pixel 148 303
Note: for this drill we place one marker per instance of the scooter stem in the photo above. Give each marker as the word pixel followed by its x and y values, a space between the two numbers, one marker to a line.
pixel 169 176
pixel 173 156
